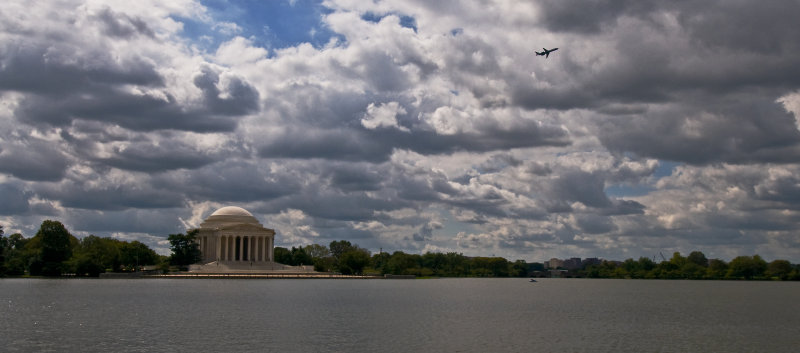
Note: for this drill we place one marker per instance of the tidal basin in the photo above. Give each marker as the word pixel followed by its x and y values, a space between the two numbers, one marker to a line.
pixel 422 315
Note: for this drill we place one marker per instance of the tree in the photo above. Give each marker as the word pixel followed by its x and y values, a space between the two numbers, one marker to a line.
pixel 354 261
pixel 401 263
pixel 717 269
pixel 780 269
pixel 184 249
pixel 3 246
pixel 519 269
pixel 320 257
pixel 300 257
pixel 746 267
pixel 135 254
pixel 698 258
pixel 282 255
pixel 56 247
pixel 16 259
pixel 338 248
pixel 94 255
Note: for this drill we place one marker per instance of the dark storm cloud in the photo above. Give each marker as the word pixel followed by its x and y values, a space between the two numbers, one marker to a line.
pixel 497 163
pixel 745 131
pixel 231 181
pixel 491 137
pixel 594 224
pixel 358 177
pixel 352 206
pixel 341 144
pixel 767 220
pixel 52 69
pixel 122 25
pixel 719 48
pixel 587 188
pixel 159 223
pixel 60 91
pixel 587 17
pixel 242 97
pixel 711 85
pixel 147 157
pixel 108 103
pixel 426 231
pixel 377 145
pixel 382 73
pixel 13 200
pixel 109 195
pixel 34 160
pixel 768 27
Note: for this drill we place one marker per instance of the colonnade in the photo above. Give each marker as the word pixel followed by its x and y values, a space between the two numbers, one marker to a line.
pixel 237 247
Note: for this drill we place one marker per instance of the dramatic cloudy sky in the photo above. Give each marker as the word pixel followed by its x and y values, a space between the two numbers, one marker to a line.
pixel 410 125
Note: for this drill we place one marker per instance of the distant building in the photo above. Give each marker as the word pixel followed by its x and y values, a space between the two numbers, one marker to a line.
pixel 591 261
pixel 572 264
pixel 231 234
pixel 554 263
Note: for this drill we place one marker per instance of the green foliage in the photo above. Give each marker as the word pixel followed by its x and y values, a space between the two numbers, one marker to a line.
pixel 300 257
pixel 136 254
pixel 695 266
pixel 780 269
pixel 746 267
pixel 697 258
pixel 297 256
pixel 3 246
pixel 16 257
pixel 716 269
pixel 353 261
pixel 337 248
pixel 56 248
pixel 317 251
pixel 95 255
pixel 282 255
pixel 184 249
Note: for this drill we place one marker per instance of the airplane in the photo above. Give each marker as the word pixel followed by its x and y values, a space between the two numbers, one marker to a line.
pixel 546 52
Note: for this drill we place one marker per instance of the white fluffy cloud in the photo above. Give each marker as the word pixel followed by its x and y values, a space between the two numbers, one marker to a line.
pixel 384 115
pixel 417 126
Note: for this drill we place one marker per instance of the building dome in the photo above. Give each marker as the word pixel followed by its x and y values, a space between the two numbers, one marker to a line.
pixel 227 216
pixel 231 211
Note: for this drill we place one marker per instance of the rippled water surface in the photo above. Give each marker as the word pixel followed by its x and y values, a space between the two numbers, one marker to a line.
pixel 436 315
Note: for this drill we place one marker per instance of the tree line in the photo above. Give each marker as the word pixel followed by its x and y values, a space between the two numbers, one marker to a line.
pixel 695 266
pixel 344 257
pixel 53 251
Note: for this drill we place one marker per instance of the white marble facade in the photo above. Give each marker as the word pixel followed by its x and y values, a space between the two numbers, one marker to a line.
pixel 231 234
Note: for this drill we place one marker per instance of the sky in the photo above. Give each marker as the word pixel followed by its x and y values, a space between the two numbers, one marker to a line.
pixel 410 125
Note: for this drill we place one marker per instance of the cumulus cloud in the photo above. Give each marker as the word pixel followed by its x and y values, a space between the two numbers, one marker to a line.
pixel 416 125
pixel 384 115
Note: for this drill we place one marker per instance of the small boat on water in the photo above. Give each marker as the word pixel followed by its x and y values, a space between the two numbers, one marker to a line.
pixel 532 280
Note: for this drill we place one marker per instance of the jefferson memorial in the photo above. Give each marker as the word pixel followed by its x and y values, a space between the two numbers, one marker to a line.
pixel 231 240
pixel 233 234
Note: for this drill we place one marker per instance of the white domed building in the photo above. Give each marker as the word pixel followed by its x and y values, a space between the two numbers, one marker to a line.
pixel 231 234
pixel 232 241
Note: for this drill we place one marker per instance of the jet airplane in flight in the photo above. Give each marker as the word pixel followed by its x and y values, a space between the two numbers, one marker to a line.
pixel 546 52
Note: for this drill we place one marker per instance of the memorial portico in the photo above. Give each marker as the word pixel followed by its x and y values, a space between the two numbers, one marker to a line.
pixel 231 234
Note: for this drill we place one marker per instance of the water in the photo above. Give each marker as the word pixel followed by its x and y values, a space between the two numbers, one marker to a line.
pixel 438 315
